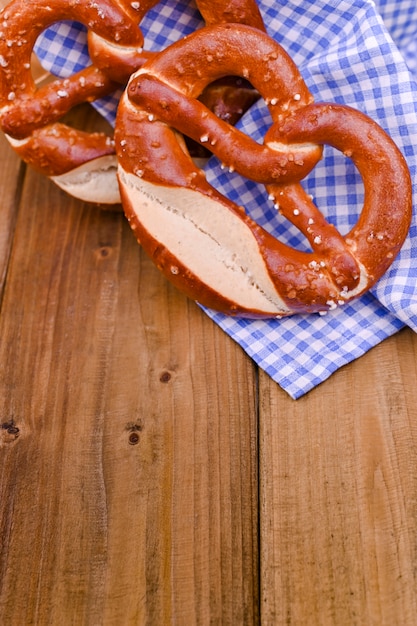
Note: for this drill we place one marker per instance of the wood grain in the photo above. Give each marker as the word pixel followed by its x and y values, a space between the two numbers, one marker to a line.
pixel 338 495
pixel 11 175
pixel 128 482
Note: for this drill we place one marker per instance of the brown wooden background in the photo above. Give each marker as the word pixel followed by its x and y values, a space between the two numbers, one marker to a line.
pixel 151 474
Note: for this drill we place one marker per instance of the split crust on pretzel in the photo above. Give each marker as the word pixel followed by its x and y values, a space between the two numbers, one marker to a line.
pixel 83 164
pixel 205 244
pixel 117 60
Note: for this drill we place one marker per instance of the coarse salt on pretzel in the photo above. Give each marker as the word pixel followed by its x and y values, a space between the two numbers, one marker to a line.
pixel 116 59
pixel 229 97
pixel 83 164
pixel 206 244
pixel 29 115
pixel 119 61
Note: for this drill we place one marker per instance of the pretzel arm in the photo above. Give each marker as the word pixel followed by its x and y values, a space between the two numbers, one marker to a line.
pixel 385 218
pixel 236 150
pixel 53 100
pixel 234 11
pixel 118 60
pixel 43 148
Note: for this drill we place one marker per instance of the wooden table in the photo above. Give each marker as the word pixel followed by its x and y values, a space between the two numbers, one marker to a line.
pixel 151 474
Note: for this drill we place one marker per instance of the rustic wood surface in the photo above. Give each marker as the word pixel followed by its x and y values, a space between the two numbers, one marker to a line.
pixel 150 474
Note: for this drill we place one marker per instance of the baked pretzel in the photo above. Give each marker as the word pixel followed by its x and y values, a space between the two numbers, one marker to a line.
pixel 206 244
pixel 84 164
pixel 29 115
pixel 119 61
pixel 229 97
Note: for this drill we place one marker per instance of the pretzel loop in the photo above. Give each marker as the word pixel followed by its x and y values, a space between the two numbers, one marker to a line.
pixel 172 104
pixel 29 115
pixel 24 107
pixel 383 223
pixel 204 243
pixel 84 164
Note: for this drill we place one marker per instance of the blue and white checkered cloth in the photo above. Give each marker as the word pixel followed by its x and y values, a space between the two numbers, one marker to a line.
pixel 361 53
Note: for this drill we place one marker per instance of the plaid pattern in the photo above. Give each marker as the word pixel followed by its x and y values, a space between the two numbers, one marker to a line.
pixel 361 53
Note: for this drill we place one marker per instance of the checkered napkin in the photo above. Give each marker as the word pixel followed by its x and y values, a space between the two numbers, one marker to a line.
pixel 360 53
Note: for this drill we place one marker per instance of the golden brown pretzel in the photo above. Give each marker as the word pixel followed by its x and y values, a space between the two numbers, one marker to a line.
pixel 119 61
pixel 29 116
pixel 82 163
pixel 204 243
pixel 116 59
pixel 229 97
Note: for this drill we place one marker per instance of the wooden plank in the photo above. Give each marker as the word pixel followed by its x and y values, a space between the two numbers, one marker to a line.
pixel 338 505
pixel 128 439
pixel 11 176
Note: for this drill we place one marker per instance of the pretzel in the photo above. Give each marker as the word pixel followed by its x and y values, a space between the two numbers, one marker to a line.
pixel 29 115
pixel 204 243
pixel 83 164
pixel 229 97
pixel 119 61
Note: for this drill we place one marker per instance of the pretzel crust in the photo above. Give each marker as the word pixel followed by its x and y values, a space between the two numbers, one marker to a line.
pixel 29 116
pixel 84 164
pixel 207 245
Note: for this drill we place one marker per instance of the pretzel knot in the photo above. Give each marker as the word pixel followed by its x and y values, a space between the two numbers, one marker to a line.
pixel 84 164
pixel 29 115
pixel 206 244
